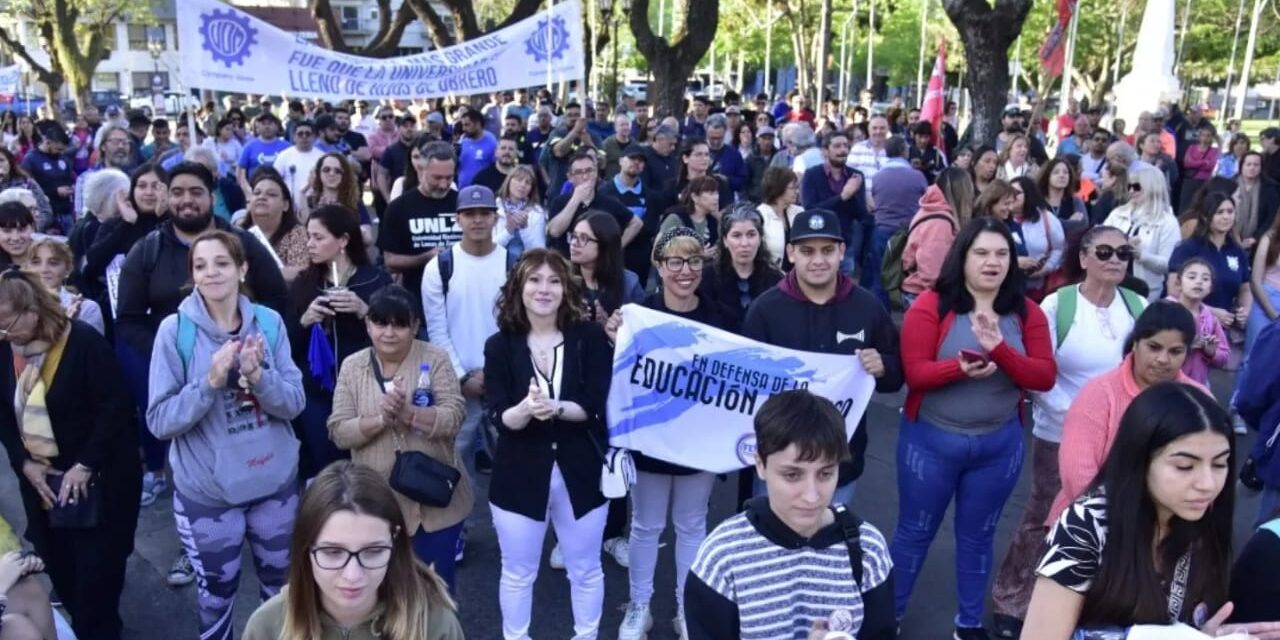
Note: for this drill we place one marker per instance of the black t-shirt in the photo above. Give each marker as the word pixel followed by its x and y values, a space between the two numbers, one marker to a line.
pixel 414 224
pixel 356 140
pixel 602 202
pixel 395 159
pixel 491 177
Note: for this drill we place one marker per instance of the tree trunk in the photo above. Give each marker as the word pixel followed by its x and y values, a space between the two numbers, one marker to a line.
pixel 987 31
pixel 671 61
pixel 820 59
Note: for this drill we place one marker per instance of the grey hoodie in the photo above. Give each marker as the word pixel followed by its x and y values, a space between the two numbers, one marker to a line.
pixel 224 454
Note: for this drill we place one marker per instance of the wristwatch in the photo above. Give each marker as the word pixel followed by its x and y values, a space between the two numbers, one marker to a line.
pixel 559 409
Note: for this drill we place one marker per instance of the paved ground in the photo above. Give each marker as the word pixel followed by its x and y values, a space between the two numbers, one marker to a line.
pixel 153 611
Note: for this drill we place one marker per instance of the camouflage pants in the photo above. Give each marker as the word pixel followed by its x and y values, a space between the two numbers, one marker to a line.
pixel 214 537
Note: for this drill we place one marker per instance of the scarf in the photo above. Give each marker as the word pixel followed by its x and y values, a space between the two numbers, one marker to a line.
pixel 1247 210
pixel 36 363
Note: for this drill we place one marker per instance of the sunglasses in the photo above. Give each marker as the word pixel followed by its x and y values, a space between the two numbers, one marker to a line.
pixel 1135 187
pixel 1104 252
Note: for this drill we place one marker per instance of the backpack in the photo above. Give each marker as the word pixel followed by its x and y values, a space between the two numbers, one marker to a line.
pixel 892 275
pixel 187 332
pixel 446 267
pixel 1068 297
pixel 852 527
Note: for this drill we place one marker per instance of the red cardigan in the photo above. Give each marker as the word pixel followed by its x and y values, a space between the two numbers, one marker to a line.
pixel 923 332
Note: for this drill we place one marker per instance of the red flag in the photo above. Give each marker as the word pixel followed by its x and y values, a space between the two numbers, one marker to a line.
pixel 1053 51
pixel 935 100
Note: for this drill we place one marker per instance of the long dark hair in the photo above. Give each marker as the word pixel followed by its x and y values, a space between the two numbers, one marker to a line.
pixel 15 170
pixel 288 219
pixel 339 221
pixel 954 296
pixel 1127 589
pixel 609 269
pixel 1207 210
pixel 1033 202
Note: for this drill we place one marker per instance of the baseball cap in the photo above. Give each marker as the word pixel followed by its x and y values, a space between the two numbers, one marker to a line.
pixel 112 111
pixel 816 223
pixel 766 131
pixel 633 150
pixel 435 117
pixel 476 196
pixel 1011 110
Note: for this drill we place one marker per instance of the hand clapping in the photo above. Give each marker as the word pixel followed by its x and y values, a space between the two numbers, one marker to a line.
pixel 986 328
pixel 539 406
pixel 220 365
pixel 251 355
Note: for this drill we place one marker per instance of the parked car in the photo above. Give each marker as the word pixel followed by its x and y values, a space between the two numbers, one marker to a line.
pixel 638 89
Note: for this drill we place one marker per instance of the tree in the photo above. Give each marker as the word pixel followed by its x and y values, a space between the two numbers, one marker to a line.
pixel 672 60
pixel 986 30
pixel 383 44
pixel 76 34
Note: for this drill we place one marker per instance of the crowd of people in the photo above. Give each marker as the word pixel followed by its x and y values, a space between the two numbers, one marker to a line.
pixel 318 329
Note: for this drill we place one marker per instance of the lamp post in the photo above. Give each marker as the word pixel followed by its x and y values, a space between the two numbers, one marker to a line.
pixel 613 20
pixel 155 47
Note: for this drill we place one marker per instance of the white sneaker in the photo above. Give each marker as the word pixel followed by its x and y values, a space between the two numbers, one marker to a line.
pixel 682 632
pixel 557 558
pixel 637 623
pixel 620 549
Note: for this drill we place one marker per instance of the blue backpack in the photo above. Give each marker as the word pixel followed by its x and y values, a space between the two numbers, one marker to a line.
pixel 187 332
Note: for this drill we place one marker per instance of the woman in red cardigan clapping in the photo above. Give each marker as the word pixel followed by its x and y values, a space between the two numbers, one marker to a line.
pixel 978 345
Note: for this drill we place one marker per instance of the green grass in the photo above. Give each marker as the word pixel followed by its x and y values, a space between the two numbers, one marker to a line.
pixel 1252 128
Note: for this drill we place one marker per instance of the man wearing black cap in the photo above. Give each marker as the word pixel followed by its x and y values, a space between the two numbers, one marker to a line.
pixel 49 167
pixel 818 308
pixel 1012 122
pixel 645 203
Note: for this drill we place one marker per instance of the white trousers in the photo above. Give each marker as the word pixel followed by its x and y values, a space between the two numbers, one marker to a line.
pixel 652 494
pixel 520 540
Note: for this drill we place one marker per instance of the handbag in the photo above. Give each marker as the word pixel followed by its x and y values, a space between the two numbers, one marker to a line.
pixel 84 513
pixel 617 471
pixel 422 478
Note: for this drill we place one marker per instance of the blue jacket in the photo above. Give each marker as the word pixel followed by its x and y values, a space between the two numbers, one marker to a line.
pixel 1258 402
pixel 816 193
pixel 728 162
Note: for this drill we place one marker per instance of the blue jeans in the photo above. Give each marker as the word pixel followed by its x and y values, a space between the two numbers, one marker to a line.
pixel 873 255
pixel 934 465
pixel 855 234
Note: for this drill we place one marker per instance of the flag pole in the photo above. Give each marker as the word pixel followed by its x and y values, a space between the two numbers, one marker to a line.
pixel 1064 102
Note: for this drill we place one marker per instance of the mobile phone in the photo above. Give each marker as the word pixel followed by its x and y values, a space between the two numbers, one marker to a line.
pixel 974 357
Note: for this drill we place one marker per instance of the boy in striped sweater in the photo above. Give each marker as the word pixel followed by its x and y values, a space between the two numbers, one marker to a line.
pixel 793 565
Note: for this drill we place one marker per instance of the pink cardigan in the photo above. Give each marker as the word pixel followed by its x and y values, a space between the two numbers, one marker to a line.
pixel 1198 364
pixel 1198 164
pixel 1090 429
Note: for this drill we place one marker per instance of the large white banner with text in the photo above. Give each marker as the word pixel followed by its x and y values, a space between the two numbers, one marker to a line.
pixel 226 49
pixel 687 393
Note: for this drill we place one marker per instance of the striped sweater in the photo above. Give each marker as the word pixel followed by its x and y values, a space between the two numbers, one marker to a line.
pixel 754 578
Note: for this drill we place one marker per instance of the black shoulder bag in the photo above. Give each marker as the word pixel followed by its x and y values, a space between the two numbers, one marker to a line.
pixel 415 474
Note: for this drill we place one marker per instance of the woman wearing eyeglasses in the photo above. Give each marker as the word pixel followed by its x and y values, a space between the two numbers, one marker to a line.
pixel 360 579
pixel 1150 225
pixel 1088 324
pixel 69 432
pixel 678 256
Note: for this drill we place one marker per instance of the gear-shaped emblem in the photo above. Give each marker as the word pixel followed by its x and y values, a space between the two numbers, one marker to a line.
pixel 227 36
pixel 548 43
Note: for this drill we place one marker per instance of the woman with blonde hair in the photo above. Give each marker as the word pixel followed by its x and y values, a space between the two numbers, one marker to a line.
pixel 1015 159
pixel 360 579
pixel 51 261
pixel 1148 221
pixel 522 221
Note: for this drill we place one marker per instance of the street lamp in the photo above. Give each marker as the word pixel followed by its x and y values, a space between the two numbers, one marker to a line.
pixel 613 20
pixel 155 47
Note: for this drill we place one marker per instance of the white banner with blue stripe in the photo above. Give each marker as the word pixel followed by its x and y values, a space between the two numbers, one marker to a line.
pixel 226 49
pixel 687 393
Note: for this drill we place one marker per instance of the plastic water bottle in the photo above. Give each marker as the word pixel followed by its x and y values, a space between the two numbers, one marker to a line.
pixel 422 392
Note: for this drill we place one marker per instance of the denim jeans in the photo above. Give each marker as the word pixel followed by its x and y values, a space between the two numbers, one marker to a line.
pixel 855 234
pixel 980 471
pixel 874 254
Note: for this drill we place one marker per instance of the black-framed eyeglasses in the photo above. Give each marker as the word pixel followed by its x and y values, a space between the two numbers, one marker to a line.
pixel 675 263
pixel 581 239
pixel 337 558
pixel 1104 252
pixel 1134 187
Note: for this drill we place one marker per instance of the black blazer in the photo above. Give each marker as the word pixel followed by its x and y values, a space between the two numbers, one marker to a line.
pixel 521 480
pixel 93 417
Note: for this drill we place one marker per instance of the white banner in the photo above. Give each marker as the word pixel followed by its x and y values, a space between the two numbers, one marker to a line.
pixel 10 80
pixel 227 49
pixel 687 393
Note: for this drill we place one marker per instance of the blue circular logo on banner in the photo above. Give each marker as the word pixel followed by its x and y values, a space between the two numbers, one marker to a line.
pixel 747 449
pixel 227 36
pixel 548 42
